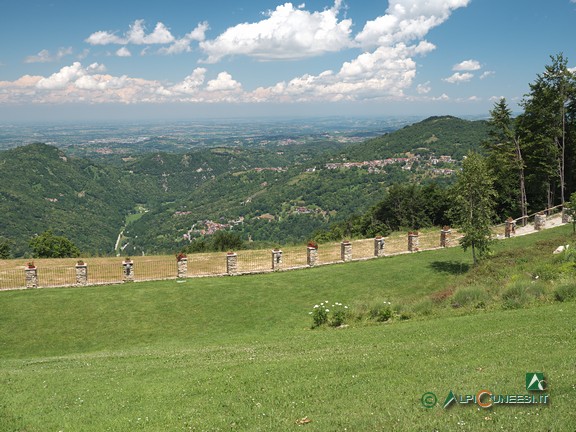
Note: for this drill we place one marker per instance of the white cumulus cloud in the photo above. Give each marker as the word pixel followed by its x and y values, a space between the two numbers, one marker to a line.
pixel 458 78
pixel 183 44
pixel 224 82
pixel 424 88
pixel 467 65
pixel 62 78
pixel 136 35
pixel 123 52
pixel 407 20
pixel 288 32
pixel 192 83
pixel 385 69
pixel 46 56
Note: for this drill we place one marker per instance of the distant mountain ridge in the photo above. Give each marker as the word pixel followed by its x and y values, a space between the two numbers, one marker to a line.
pixel 440 135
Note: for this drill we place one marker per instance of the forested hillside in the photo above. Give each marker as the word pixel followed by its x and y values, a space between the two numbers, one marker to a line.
pixel 43 188
pixel 444 135
pixel 163 201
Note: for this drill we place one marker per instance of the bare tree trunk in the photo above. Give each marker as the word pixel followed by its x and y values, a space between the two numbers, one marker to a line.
pixel 549 197
pixel 523 199
pixel 563 156
pixel 562 144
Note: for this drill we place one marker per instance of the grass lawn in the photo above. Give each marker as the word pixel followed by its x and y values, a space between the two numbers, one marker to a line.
pixel 238 353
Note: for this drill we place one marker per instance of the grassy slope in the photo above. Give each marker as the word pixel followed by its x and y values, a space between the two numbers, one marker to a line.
pixel 238 354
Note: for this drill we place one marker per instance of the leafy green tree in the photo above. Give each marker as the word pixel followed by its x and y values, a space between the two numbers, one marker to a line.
pixel 226 241
pixel 48 245
pixel 5 248
pixel 473 211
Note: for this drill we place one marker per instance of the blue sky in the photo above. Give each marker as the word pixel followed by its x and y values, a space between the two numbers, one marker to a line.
pixel 64 60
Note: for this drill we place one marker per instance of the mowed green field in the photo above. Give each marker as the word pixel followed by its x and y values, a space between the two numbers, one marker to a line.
pixel 238 353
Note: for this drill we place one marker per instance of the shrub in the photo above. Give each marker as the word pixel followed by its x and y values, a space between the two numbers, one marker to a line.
pixel 319 315
pixel 546 272
pixel 423 307
pixel 470 296
pixel 381 312
pixel 405 315
pixel 565 291
pixel 522 292
pixel 567 255
pixel 338 315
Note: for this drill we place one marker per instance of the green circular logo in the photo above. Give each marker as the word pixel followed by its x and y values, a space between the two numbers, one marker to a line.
pixel 429 400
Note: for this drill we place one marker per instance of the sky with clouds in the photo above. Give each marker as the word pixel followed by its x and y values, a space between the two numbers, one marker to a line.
pixel 64 59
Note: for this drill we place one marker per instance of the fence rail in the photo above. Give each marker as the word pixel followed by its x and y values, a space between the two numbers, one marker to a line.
pixel 19 274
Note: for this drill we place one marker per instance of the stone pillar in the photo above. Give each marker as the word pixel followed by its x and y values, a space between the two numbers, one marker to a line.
pixel 231 263
pixel 81 273
pixel 445 237
pixel 510 227
pixel 182 264
pixel 539 221
pixel 413 242
pixel 346 251
pixel 276 259
pixel 379 244
pixel 31 276
pixel 312 256
pixel 566 216
pixel 128 270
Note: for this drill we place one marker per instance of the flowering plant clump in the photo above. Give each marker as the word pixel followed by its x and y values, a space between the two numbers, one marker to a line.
pixel 180 256
pixel 382 312
pixel 324 313
pixel 312 244
pixel 31 264
pixel 339 314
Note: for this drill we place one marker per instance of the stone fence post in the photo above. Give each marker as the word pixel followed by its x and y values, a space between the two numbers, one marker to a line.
pixel 231 263
pixel 31 276
pixel 81 273
pixel 346 251
pixel 128 270
pixel 276 259
pixel 566 216
pixel 182 263
pixel 539 221
pixel 445 237
pixel 379 244
pixel 413 242
pixel 312 256
pixel 510 227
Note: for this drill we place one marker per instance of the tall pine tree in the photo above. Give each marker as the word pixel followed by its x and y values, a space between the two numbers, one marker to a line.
pixel 547 128
pixel 506 162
